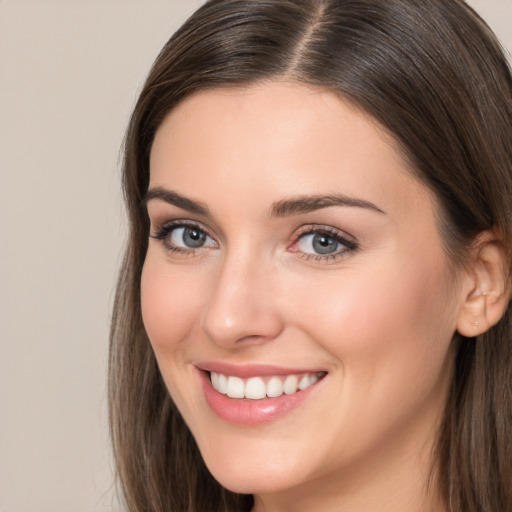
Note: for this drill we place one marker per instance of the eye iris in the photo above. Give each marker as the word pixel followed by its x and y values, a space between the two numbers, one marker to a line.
pixel 193 237
pixel 324 244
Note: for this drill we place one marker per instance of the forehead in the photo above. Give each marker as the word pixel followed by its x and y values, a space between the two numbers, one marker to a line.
pixel 275 139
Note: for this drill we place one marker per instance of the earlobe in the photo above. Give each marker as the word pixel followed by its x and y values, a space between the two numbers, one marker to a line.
pixel 487 294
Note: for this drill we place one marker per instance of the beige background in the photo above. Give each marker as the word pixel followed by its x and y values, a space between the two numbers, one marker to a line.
pixel 69 75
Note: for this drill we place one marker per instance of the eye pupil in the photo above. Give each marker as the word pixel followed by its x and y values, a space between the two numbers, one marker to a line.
pixel 193 237
pixel 324 244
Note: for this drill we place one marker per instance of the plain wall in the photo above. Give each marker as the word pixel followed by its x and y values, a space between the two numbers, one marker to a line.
pixel 69 75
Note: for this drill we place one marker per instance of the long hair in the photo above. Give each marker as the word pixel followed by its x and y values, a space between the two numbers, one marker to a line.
pixel 434 76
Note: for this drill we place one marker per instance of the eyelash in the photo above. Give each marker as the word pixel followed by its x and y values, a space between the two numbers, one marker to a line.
pixel 162 233
pixel 349 244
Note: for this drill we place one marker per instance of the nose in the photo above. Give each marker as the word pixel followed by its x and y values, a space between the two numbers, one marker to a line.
pixel 242 306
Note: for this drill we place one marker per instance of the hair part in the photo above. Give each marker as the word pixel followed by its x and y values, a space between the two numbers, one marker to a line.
pixel 434 77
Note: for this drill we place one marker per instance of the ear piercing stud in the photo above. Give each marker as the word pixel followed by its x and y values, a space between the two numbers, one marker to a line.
pixel 475 325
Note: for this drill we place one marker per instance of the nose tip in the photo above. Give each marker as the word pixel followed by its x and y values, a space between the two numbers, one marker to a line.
pixel 241 309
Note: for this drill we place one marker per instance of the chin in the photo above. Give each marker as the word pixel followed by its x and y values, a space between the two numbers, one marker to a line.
pixel 243 474
pixel 252 482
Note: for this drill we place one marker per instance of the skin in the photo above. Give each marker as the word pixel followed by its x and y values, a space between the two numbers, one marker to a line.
pixel 379 318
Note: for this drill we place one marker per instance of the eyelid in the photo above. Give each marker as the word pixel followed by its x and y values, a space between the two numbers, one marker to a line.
pixel 348 242
pixel 323 228
pixel 176 223
pixel 162 231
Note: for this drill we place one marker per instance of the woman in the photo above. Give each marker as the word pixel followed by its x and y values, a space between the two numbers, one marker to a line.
pixel 313 311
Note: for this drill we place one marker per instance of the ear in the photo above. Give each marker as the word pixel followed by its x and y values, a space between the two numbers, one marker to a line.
pixel 487 289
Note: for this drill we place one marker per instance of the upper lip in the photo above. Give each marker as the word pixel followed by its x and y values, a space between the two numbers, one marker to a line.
pixel 246 371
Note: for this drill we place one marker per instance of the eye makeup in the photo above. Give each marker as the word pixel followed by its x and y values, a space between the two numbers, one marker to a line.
pixel 317 243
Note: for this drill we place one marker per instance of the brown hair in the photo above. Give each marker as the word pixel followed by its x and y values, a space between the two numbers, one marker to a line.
pixel 431 73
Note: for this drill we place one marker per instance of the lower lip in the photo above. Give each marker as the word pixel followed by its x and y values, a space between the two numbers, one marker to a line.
pixel 244 411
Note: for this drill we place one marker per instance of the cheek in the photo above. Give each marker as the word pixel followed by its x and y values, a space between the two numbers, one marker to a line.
pixel 168 305
pixel 388 334
pixel 392 317
pixel 170 310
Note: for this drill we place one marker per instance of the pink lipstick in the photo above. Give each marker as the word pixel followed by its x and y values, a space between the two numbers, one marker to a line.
pixel 252 395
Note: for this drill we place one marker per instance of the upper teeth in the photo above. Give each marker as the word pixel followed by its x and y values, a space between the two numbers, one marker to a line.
pixel 257 388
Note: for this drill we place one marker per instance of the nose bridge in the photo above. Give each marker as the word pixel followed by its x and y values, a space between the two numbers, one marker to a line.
pixel 240 306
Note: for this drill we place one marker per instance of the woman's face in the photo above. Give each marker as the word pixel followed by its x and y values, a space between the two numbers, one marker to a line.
pixel 291 248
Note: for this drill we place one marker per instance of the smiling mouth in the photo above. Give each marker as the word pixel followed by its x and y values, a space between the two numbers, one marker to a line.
pixel 258 388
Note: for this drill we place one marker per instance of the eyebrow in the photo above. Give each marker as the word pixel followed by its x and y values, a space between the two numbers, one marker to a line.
pixel 305 204
pixel 177 200
pixel 287 207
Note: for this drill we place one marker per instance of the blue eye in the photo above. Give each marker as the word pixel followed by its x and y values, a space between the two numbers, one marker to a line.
pixel 318 243
pixel 189 237
pixel 183 238
pixel 322 244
